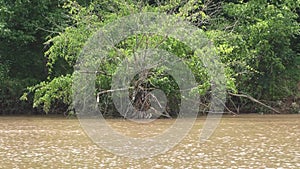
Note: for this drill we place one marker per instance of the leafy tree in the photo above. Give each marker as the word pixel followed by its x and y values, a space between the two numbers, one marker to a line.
pixel 66 47
pixel 266 30
pixel 24 26
pixel 256 40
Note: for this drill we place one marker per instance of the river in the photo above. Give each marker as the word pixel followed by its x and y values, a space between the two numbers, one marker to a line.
pixel 244 141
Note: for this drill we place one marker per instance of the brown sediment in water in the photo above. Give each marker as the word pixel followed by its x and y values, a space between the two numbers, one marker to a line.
pixel 243 141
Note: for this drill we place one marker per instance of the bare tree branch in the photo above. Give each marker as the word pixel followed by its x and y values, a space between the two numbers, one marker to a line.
pixel 254 100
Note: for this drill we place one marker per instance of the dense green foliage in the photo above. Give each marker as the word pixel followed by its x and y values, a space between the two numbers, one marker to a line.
pixel 269 50
pixel 258 42
pixel 24 26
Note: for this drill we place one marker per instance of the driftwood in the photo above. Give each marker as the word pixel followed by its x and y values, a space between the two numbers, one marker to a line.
pixel 254 100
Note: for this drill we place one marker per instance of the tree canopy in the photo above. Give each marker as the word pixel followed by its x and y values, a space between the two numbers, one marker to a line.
pixel 257 41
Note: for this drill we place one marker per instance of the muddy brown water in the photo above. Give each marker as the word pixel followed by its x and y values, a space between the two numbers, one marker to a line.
pixel 245 141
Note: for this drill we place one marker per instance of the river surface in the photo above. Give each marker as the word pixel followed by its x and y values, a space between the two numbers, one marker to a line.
pixel 245 141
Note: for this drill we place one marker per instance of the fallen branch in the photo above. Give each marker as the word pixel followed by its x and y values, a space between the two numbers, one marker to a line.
pixel 254 100
pixel 229 110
